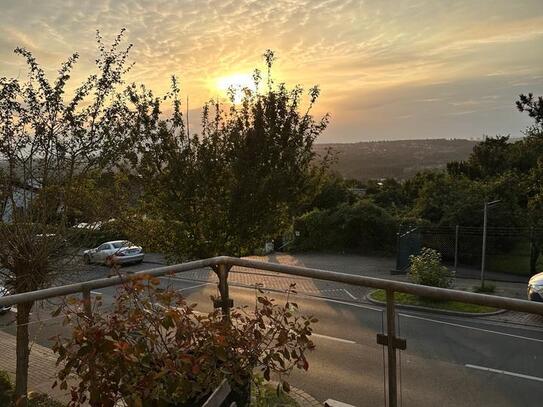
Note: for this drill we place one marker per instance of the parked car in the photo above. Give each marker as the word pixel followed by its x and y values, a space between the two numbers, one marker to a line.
pixel 4 308
pixel 114 252
pixel 535 288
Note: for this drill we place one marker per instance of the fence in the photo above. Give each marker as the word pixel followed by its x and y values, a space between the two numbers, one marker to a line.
pixel 508 250
pixel 389 338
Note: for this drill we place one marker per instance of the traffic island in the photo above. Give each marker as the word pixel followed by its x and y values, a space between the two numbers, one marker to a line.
pixel 413 302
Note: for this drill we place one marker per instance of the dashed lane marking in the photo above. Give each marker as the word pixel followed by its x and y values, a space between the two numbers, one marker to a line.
pixel 505 372
pixel 333 338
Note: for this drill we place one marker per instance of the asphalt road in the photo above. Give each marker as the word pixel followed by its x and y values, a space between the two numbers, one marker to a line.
pixel 445 363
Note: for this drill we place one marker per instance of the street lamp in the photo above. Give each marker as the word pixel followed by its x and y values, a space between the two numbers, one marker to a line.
pixel 488 205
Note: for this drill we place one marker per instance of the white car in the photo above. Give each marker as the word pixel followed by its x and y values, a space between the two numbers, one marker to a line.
pixel 114 252
pixel 535 288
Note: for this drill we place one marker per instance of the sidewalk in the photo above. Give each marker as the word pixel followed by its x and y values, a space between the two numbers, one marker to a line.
pixel 41 370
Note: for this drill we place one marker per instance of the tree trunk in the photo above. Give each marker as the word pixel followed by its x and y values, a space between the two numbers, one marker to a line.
pixel 534 256
pixel 23 353
pixel 535 250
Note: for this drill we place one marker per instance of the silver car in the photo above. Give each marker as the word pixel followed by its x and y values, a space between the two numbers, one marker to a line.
pixel 114 252
pixel 535 288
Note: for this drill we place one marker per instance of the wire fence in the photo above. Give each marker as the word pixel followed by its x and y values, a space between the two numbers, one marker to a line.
pixel 512 251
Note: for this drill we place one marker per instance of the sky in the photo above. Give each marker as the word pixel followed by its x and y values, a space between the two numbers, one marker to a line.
pixel 387 69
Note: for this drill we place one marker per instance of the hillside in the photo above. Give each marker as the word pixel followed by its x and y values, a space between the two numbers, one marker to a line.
pixel 399 159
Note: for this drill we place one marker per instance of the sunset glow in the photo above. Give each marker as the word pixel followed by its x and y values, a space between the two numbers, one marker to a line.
pixel 387 70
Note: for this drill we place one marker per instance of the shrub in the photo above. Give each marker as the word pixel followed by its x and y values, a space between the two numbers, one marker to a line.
pixel 42 400
pixel 6 388
pixel 360 226
pixel 426 269
pixel 154 349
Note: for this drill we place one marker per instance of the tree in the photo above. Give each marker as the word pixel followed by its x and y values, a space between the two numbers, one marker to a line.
pixel 531 157
pixel 489 158
pixel 237 184
pixel 49 142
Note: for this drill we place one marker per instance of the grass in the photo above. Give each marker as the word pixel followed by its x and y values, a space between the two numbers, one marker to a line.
pixel 410 299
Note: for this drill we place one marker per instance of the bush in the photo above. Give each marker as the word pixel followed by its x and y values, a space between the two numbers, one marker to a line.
pixel 426 269
pixel 34 399
pixel 362 226
pixel 42 400
pixel 154 349
pixel 6 388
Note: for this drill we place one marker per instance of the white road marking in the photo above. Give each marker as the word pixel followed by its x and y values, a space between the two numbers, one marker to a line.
pixel 191 287
pixel 96 293
pixel 505 372
pixel 333 338
pixel 341 302
pixel 473 328
pixel 349 294
pixel 335 403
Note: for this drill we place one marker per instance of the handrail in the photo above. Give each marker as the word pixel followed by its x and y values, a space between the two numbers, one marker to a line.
pixel 372 282
pixel 398 286
pixel 68 289
pixel 223 264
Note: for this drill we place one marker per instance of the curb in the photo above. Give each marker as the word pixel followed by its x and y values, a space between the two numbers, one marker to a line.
pixel 436 310
pixel 301 397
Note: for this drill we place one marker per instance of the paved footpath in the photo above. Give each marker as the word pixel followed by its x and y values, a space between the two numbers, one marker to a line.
pixel 41 370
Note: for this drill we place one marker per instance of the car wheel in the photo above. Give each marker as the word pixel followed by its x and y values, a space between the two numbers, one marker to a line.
pixel 87 259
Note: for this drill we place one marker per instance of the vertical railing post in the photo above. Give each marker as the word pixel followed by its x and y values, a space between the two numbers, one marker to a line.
pixel 392 343
pixel 87 305
pixel 391 350
pixel 225 303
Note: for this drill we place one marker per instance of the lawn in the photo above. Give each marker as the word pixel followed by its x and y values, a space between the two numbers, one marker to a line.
pixel 410 299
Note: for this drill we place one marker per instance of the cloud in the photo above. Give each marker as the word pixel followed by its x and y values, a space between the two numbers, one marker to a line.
pixel 364 54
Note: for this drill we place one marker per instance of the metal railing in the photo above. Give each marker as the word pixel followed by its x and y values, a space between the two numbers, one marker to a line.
pixel 223 264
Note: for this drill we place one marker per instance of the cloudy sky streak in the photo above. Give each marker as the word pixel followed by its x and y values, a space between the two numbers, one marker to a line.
pixel 388 69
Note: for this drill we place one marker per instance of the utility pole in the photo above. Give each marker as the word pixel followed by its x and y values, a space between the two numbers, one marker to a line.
pixel 483 254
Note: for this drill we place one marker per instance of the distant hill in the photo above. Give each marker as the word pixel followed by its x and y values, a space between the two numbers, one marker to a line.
pixel 398 159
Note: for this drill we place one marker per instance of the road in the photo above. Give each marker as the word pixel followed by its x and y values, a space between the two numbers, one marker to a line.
pixel 446 362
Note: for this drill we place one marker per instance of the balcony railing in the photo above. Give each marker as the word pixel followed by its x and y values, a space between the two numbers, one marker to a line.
pixel 223 265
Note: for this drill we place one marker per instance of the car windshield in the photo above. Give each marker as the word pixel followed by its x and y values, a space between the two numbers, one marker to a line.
pixel 118 245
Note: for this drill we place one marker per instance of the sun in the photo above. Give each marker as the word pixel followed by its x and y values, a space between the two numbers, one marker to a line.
pixel 238 81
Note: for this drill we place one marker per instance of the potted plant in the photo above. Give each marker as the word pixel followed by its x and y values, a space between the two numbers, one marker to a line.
pixel 155 349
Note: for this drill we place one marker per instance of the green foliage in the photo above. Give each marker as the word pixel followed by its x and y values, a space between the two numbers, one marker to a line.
pixel 265 395
pixel 6 389
pixel 234 186
pixel 426 269
pixel 43 400
pixel 360 226
pixel 333 192
pixel 153 347
pixel 410 299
